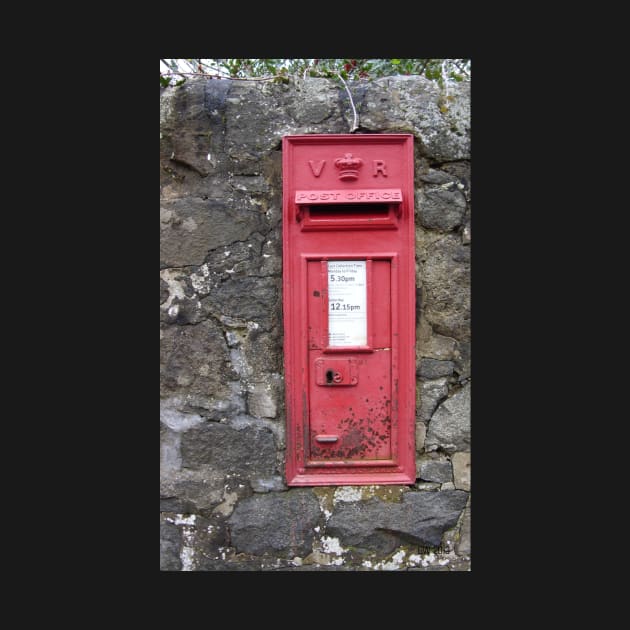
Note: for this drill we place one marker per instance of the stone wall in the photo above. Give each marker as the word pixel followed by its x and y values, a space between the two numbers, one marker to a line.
pixel 224 503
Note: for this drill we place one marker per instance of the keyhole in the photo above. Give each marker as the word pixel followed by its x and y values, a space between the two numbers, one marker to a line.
pixel 329 376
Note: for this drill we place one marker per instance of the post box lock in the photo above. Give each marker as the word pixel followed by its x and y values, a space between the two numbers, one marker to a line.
pixel 336 372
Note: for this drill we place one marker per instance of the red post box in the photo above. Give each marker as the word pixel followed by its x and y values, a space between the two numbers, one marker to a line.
pixel 349 309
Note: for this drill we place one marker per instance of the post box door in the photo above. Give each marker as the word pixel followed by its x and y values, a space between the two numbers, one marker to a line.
pixel 350 401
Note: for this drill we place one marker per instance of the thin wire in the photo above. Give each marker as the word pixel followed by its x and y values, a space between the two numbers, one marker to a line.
pixel 354 111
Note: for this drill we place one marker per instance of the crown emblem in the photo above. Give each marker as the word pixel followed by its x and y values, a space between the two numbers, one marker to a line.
pixel 348 166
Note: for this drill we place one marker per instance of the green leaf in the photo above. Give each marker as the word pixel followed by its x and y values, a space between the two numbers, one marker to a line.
pixel 396 61
pixel 164 81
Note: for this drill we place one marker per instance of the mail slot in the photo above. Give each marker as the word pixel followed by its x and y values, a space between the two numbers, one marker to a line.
pixel 349 309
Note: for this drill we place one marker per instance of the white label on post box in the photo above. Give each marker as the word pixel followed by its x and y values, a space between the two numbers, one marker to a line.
pixel 347 303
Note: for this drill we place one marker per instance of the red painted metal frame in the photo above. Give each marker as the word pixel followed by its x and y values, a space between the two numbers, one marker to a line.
pixel 372 235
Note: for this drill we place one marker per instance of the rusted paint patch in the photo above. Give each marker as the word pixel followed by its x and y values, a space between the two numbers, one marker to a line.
pixel 360 438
